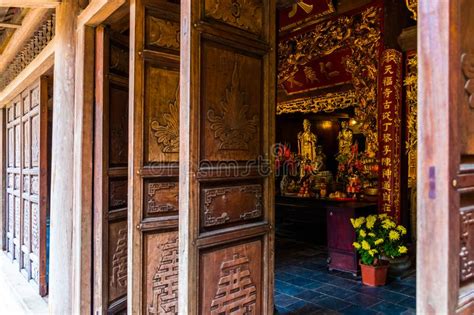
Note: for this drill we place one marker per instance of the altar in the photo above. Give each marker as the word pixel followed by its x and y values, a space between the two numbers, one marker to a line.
pixel 327 223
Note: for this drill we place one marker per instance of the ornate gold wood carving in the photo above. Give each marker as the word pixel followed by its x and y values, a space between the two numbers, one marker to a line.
pixel 236 293
pixel 412 5
pixel 163 33
pixel 362 34
pixel 244 14
pixel 326 103
pixel 167 135
pixel 165 281
pixel 233 128
pixel 468 70
pixel 411 88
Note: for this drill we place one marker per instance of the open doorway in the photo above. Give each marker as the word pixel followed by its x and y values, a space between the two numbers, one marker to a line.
pixel 346 148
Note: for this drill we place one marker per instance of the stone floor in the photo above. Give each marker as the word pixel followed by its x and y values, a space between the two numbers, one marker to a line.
pixel 17 296
pixel 303 285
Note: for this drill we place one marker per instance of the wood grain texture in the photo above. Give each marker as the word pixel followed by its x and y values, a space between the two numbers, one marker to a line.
pixel 226 123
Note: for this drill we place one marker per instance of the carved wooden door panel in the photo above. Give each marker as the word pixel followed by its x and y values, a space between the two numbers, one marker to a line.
pixel 110 173
pixel 227 129
pixel 445 253
pixel 27 183
pixel 154 156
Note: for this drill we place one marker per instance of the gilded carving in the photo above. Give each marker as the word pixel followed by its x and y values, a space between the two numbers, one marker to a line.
pixel 232 126
pixel 224 192
pixel 236 293
pixel 412 5
pixel 467 259
pixel 119 261
pixel 411 88
pixel 164 33
pixel 325 103
pixel 468 70
pixel 244 14
pixel 362 34
pixel 165 280
pixel 156 205
pixel 167 134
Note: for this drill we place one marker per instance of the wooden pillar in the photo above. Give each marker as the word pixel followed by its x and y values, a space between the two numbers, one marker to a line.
pixel 61 241
pixel 3 155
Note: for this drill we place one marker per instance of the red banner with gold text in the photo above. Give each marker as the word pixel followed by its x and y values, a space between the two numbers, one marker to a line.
pixel 390 131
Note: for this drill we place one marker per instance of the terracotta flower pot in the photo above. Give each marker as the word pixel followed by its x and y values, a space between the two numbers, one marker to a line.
pixel 374 275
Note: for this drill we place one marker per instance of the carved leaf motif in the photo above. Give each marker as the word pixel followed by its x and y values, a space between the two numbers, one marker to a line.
pixel 468 70
pixel 167 135
pixel 244 14
pixel 164 33
pixel 233 127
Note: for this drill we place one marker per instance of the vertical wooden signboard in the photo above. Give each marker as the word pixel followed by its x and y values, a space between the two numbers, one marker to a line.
pixel 110 173
pixel 154 155
pixel 226 132
pixel 390 131
pixel 27 183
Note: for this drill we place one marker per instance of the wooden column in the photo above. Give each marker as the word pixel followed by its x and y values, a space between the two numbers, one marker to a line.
pixel 2 178
pixel 61 241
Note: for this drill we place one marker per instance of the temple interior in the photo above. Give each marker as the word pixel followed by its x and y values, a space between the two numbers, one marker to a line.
pixel 346 148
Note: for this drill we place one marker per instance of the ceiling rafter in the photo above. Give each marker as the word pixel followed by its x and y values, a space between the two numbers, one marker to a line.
pixel 10 25
pixel 30 3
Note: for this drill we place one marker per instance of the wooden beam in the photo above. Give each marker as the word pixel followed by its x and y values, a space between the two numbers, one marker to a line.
pixel 30 3
pixel 10 25
pixel 29 25
pixel 98 11
pixel 43 62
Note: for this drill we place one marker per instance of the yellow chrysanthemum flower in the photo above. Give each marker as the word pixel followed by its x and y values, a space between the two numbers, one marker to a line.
pixel 371 221
pixel 402 229
pixel 372 234
pixel 394 235
pixel 402 249
pixel 356 245
pixel 362 233
pixel 383 216
pixel 379 241
pixel 365 245
pixel 357 223
pixel 372 252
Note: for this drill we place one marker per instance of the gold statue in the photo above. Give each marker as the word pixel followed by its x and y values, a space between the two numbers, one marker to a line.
pixel 307 146
pixel 345 139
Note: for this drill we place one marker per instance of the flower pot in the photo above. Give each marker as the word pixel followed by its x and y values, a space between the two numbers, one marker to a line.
pixel 374 275
pixel 398 265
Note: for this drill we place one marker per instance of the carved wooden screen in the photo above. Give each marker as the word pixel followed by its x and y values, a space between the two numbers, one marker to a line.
pixel 154 145
pixel 446 157
pixel 27 183
pixel 111 171
pixel 227 129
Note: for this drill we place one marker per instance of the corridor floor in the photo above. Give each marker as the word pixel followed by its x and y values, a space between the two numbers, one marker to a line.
pixel 303 285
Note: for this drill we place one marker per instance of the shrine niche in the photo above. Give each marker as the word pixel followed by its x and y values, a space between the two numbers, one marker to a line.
pixel 342 51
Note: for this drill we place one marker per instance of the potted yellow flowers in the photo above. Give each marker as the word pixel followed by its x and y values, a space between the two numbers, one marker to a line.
pixel 378 236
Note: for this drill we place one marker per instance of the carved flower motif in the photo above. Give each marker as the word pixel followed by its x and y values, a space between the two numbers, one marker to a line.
pixel 167 135
pixel 244 14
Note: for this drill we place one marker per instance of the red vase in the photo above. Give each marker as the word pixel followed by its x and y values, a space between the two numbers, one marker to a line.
pixel 374 276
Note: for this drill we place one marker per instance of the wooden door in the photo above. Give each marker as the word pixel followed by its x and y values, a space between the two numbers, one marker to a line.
pixel 154 156
pixel 445 255
pixel 110 173
pixel 226 132
pixel 27 183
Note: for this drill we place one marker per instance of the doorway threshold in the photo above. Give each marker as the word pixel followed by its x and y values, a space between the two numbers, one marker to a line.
pixel 17 295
